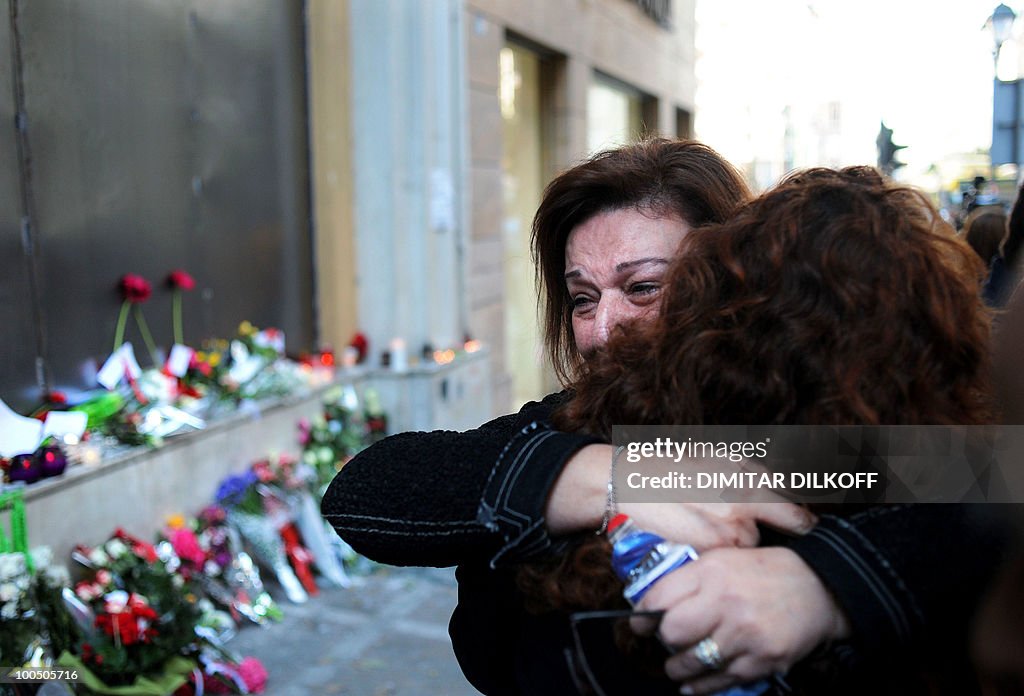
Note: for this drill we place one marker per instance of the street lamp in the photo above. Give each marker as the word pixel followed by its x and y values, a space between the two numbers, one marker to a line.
pixel 1002 24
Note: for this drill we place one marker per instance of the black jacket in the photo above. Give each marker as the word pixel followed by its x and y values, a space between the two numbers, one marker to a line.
pixel 908 577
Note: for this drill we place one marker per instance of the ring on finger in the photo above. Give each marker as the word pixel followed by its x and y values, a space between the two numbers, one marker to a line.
pixel 708 654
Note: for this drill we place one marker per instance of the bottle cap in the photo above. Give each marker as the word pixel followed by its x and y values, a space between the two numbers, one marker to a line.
pixel 617 522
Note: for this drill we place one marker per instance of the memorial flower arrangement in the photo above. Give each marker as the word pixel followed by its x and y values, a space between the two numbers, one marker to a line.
pixel 33 624
pixel 334 436
pixel 226 575
pixel 18 620
pixel 137 615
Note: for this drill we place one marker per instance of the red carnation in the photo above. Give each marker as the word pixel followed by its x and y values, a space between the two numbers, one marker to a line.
pixel 135 288
pixel 181 280
pixel 361 345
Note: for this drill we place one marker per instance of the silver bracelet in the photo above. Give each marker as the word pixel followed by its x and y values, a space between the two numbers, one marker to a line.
pixel 611 508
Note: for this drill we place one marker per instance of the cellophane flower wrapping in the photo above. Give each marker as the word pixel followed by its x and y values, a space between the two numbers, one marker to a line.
pixel 210 557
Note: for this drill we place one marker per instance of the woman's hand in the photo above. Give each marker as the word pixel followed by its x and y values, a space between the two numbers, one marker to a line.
pixel 763 608
pixel 578 499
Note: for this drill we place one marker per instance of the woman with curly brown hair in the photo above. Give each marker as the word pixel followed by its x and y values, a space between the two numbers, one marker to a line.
pixel 837 298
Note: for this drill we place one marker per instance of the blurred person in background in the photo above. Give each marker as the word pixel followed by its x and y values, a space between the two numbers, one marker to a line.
pixel 984 230
pixel 1005 272
pixel 997 641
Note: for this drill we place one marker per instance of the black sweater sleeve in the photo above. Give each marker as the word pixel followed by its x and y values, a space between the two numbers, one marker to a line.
pixel 907 575
pixel 443 497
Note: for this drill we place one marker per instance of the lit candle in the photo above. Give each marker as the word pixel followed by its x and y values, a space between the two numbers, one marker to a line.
pixel 349 357
pixel 399 359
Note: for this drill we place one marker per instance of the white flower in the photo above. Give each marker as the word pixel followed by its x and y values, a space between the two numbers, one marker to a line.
pixel 11 565
pixel 98 558
pixel 116 548
pixel 177 580
pixel 10 611
pixel 115 601
pixel 42 557
pixel 8 592
pixel 57 576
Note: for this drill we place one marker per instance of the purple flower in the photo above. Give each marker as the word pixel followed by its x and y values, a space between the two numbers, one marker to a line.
pixel 233 488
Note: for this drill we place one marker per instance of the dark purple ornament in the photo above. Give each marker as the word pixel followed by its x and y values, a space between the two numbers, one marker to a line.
pixel 52 461
pixel 25 467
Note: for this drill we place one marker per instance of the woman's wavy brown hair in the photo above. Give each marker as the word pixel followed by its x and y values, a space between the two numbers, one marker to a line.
pixel 836 298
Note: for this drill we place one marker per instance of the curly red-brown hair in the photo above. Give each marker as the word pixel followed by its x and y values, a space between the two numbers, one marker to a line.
pixel 837 298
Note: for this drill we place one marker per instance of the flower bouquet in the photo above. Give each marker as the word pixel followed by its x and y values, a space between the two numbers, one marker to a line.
pixel 242 499
pixel 207 555
pixel 289 481
pixel 143 617
pixel 19 621
pixel 332 438
pixel 250 366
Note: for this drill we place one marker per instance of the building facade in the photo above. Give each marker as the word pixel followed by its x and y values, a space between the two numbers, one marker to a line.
pixel 328 167
pixel 452 116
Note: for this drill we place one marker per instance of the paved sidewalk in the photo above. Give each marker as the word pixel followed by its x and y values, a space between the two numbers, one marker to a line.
pixel 386 636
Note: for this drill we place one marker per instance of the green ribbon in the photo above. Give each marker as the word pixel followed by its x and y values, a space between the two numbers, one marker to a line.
pixel 17 542
pixel 175 673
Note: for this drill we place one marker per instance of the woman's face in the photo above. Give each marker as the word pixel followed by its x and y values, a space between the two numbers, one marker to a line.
pixel 614 265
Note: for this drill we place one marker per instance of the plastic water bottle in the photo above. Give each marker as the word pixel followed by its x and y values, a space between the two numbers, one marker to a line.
pixel 640 558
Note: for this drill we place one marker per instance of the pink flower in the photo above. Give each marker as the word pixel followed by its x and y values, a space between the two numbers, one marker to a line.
pixel 87 591
pixel 135 288
pixel 187 546
pixel 254 674
pixel 181 280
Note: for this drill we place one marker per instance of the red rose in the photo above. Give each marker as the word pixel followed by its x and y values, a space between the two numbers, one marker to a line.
pixel 135 288
pixel 181 280
pixel 361 345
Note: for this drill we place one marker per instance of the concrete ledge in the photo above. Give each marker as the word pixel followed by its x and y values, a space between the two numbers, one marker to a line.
pixel 140 488
pixel 137 489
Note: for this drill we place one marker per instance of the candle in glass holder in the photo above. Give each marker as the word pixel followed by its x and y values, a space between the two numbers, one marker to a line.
pixel 399 359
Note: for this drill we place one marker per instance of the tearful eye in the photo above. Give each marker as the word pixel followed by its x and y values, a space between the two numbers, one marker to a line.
pixel 644 288
pixel 580 302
